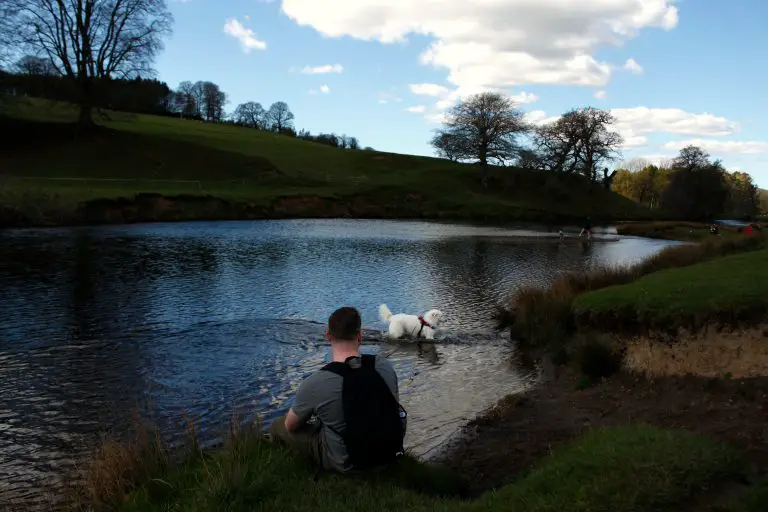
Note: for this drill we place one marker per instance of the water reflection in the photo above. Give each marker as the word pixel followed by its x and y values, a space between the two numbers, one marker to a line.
pixel 207 318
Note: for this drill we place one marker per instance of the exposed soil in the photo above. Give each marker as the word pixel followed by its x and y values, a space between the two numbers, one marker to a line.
pixel 741 353
pixel 521 430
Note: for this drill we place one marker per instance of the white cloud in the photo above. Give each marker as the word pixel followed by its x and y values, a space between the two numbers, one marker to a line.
pixel 389 97
pixel 672 120
pixel 321 70
pixel 717 147
pixel 495 44
pixel 538 117
pixel 429 90
pixel 601 95
pixel 418 109
pixel 246 36
pixel 635 123
pixel 324 89
pixel 524 97
pixel 632 66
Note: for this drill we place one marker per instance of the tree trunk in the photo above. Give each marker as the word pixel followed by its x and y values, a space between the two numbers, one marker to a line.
pixel 86 115
pixel 483 157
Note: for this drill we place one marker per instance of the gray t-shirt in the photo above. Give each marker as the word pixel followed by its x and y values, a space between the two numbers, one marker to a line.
pixel 320 395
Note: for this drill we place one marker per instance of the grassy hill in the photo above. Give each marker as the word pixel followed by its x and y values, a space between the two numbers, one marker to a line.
pixel 51 174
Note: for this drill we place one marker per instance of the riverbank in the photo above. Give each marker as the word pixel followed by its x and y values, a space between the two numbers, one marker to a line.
pixel 679 341
pixel 138 168
pixel 680 230
pixel 523 429
pixel 622 468
pixel 623 439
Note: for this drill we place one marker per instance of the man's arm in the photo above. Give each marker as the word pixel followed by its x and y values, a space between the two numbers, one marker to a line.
pixel 303 406
pixel 292 421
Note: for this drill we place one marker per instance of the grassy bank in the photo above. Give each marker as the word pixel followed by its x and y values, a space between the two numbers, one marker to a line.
pixel 677 230
pixel 54 171
pixel 636 468
pixel 729 291
pixel 546 316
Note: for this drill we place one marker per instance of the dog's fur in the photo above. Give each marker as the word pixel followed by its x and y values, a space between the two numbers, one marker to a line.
pixel 403 324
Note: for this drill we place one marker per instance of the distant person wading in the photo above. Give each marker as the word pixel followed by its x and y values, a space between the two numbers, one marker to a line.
pixel 587 229
pixel 347 416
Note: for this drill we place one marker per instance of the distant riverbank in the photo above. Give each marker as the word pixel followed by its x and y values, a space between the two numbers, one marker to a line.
pixel 42 210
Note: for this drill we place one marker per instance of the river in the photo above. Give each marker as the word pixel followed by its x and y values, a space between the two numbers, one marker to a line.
pixel 207 318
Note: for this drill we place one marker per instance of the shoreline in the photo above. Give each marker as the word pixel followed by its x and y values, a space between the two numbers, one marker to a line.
pixel 521 430
pixel 150 207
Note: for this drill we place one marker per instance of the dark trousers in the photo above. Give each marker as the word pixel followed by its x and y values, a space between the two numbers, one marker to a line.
pixel 305 440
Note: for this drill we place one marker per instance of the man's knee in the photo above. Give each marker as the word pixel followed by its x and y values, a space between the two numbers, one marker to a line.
pixel 277 430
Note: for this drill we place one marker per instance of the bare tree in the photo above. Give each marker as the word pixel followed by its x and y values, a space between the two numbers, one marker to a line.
pixel 529 159
pixel 635 164
pixel 35 66
pixel 9 36
pixel 185 99
pixel 279 116
pixel 484 127
pixel 90 41
pixel 579 142
pixel 447 145
pixel 198 93
pixel 250 114
pixel 353 143
pixel 691 157
pixel 214 100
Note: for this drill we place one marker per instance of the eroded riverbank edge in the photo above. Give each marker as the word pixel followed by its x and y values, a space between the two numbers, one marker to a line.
pixel 153 207
pixel 502 444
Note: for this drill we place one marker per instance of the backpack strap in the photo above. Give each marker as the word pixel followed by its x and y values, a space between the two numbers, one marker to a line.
pixel 336 367
pixel 342 369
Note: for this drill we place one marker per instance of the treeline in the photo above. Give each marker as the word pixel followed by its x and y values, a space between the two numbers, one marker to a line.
pixel 36 77
pixel 692 185
pixel 202 100
pixel 489 128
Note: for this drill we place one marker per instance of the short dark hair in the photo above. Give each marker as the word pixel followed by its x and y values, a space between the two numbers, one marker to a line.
pixel 344 323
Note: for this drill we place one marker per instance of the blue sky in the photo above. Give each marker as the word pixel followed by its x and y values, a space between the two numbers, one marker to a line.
pixel 696 78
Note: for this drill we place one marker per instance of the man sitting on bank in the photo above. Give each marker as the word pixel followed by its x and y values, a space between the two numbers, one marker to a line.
pixel 358 421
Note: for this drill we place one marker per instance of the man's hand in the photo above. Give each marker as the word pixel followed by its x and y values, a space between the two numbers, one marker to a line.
pixel 291 421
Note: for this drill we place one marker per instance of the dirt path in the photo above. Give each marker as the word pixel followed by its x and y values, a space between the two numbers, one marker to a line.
pixel 522 430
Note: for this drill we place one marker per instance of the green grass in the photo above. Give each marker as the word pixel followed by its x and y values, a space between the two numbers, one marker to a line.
pixel 242 164
pixel 725 290
pixel 755 499
pixel 636 468
pixel 547 317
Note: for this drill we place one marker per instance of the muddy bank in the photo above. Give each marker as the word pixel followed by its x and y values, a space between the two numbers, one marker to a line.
pixel 162 208
pixel 509 440
pixel 151 207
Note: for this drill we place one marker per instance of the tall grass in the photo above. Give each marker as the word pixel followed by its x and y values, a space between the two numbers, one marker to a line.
pixel 543 317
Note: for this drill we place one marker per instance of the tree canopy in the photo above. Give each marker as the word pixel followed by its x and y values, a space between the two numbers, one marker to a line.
pixel 89 41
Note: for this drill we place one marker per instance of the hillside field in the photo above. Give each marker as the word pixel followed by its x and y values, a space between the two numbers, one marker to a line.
pixel 48 169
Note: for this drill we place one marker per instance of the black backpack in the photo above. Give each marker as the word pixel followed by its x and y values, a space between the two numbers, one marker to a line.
pixel 374 430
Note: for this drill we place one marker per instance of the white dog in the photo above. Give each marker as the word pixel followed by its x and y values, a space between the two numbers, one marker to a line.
pixel 403 324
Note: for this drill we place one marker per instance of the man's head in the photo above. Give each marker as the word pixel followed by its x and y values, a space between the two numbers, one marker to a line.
pixel 344 326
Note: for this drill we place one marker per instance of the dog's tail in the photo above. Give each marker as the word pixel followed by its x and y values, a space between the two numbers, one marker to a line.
pixel 384 313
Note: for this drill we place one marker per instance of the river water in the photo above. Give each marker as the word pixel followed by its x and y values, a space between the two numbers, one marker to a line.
pixel 210 318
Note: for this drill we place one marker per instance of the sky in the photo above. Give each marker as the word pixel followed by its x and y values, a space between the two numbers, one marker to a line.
pixel 673 72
